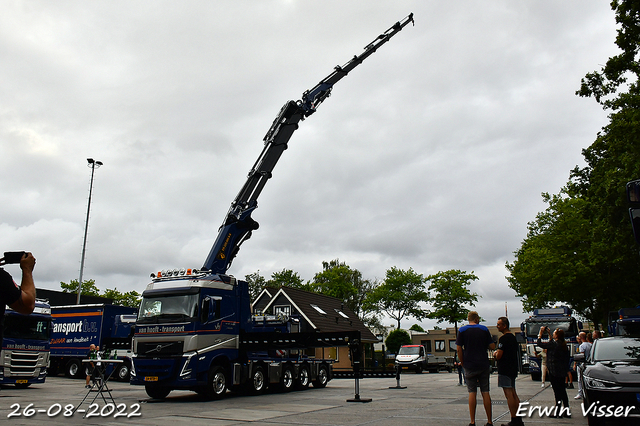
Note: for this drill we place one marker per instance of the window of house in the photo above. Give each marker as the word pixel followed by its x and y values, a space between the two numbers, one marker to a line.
pixel 440 345
pixel 282 309
pixel 452 346
pixel 342 314
pixel 319 309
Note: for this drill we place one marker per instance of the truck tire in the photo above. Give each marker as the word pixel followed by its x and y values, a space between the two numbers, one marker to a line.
pixel 304 377
pixel 287 379
pixel 418 369
pixel 257 383
pixel 323 377
pixel 216 383
pixel 157 392
pixel 74 369
pixel 123 372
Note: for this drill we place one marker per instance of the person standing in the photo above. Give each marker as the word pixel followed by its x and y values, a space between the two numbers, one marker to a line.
pixel 558 365
pixel 21 299
pixel 584 348
pixel 472 344
pixel 544 372
pixel 92 354
pixel 458 365
pixel 507 358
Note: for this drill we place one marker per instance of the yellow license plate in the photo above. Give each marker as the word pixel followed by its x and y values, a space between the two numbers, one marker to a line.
pixel 151 379
pixel 22 382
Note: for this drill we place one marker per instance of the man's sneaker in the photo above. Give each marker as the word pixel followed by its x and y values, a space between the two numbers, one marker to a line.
pixel 578 396
pixel 542 385
pixel 570 386
pixel 87 386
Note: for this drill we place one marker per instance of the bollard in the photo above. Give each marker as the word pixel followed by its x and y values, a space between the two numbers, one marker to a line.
pixel 397 386
pixel 356 374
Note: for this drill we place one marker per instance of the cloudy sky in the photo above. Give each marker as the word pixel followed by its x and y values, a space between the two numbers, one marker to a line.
pixel 432 154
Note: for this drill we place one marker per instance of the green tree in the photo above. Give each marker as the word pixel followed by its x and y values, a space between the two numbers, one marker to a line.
pixel 287 278
pixel 130 298
pixel 338 280
pixel 396 339
pixel 400 295
pixel 89 287
pixel 580 250
pixel 256 283
pixel 450 295
pixel 416 327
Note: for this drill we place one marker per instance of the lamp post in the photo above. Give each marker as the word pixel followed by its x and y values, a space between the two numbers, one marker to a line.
pixel 93 165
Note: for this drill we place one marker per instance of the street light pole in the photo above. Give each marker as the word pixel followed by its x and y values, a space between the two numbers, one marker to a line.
pixel 94 165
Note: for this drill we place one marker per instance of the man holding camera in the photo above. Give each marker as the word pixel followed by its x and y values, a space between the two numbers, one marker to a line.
pixel 21 299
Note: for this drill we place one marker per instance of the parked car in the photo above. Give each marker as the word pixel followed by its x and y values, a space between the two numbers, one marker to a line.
pixel 611 380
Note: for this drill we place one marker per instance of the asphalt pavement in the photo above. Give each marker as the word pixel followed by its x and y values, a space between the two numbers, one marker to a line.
pixel 422 399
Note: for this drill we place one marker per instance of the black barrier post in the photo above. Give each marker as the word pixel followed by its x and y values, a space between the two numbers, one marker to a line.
pixel 354 349
pixel 397 386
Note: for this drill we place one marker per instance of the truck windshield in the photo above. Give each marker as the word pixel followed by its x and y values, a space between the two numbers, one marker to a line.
pixel 569 327
pixel 168 308
pixel 27 327
pixel 409 350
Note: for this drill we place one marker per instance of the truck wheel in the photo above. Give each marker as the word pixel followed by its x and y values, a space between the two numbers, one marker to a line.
pixel 73 369
pixel 323 377
pixel 216 383
pixel 257 382
pixel 287 380
pixel 418 369
pixel 157 392
pixel 304 377
pixel 122 373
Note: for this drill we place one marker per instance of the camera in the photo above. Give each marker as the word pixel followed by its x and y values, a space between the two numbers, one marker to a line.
pixel 13 256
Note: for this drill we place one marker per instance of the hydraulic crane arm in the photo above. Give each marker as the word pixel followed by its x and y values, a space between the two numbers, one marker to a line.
pixel 238 224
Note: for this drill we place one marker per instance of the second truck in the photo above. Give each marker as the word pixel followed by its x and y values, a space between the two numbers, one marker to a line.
pixel 195 329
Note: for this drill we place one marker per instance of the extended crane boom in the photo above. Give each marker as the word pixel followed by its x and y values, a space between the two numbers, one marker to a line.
pixel 238 224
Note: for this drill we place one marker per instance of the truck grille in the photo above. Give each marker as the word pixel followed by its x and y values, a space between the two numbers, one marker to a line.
pixel 153 349
pixel 23 364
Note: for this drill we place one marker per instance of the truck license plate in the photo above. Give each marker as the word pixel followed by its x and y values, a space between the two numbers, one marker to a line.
pixel 151 379
pixel 22 382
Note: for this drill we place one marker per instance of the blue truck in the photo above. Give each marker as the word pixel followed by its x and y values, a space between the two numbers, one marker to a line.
pixel 76 327
pixel 557 317
pixel 195 329
pixel 25 348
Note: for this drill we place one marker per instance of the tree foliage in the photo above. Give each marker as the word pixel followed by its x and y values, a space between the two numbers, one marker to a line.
pixel 580 250
pixel 338 280
pixel 450 295
pixel 400 295
pixel 256 283
pixel 396 339
pixel 131 298
pixel 287 278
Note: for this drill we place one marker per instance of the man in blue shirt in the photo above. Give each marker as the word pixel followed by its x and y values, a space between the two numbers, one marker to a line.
pixel 472 343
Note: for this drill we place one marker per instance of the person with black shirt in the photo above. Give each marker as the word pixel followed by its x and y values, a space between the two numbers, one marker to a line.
pixel 558 365
pixel 507 359
pixel 21 299
pixel 472 344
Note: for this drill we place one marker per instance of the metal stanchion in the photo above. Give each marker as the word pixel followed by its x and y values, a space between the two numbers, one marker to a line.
pixel 397 386
pixel 354 348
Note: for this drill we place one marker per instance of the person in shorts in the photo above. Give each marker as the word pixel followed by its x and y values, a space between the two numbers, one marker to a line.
pixel 507 359
pixel 473 342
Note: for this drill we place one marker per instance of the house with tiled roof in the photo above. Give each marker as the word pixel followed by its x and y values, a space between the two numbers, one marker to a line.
pixel 315 312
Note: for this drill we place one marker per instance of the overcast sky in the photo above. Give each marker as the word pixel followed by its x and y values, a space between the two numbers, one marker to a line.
pixel 432 154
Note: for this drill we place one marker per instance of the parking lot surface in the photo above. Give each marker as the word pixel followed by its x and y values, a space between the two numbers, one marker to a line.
pixel 426 399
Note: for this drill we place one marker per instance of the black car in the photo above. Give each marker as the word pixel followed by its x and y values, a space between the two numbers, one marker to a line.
pixel 611 381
